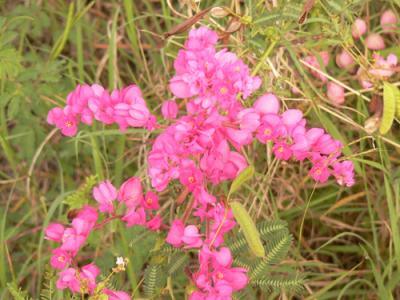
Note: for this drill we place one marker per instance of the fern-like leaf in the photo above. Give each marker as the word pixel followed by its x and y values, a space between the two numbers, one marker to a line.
pixel 81 196
pixel 16 292
pixel 153 280
pixel 177 262
pixel 48 289
pixel 279 284
pixel 276 250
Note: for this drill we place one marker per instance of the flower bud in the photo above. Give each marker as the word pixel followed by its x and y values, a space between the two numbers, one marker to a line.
pixel 335 93
pixel 389 20
pixel 267 104
pixel 359 28
pixel 375 41
pixel 344 60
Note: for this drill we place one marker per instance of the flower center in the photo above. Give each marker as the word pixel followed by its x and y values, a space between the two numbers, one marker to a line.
pixel 267 131
pixel 280 149
pixel 61 258
pixel 220 275
pixel 191 179
pixel 223 90
pixel 318 172
pixel 149 201
pixel 68 124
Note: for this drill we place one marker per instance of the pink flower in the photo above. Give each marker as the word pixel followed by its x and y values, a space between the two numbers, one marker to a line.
pixel 105 193
pixel 359 28
pixel 60 258
pixel 282 151
pixel 344 60
pixel 344 172
pixel 201 38
pixel 180 88
pixel 335 93
pixel 248 119
pixel 89 274
pixel 68 279
pixel 150 201
pixel 135 216
pixel 375 41
pixel 169 109
pixel 191 177
pixel 67 123
pixel 131 192
pixel 54 232
pixel 267 104
pixel 176 233
pixel 389 20
pixel 271 128
pixel 116 295
pixel 191 237
pixel 320 172
pixel 72 241
pixel 383 68
pixel 155 223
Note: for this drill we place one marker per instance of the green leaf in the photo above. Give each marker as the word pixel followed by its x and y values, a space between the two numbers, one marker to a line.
pixel 390 94
pixel 250 231
pixel 244 176
pixel 10 64
pixel 82 195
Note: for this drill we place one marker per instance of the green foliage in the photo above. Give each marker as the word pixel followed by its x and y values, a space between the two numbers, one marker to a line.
pixel 153 280
pixel 268 273
pixel 244 176
pixel 177 263
pixel 81 196
pixel 391 96
pixel 16 292
pixel 249 229
pixel 49 288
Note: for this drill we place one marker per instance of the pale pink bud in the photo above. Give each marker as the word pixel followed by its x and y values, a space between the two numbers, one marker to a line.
pixel 335 93
pixel 54 232
pixel 375 41
pixel 344 60
pixel 359 28
pixel 267 104
pixel 169 109
pixel 389 20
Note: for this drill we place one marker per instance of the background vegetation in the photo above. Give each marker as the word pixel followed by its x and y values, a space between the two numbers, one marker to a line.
pixel 346 242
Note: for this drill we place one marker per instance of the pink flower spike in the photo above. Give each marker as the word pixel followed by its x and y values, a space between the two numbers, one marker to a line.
pixel 105 193
pixel 335 93
pixel 175 233
pixel 116 295
pixel 359 28
pixel 150 201
pixel 54 232
pixel 169 109
pixel 375 41
pixel 131 192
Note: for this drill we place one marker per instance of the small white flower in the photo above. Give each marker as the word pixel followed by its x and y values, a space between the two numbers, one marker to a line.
pixel 120 261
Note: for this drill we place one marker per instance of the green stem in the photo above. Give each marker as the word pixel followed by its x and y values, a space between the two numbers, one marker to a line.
pixel 266 53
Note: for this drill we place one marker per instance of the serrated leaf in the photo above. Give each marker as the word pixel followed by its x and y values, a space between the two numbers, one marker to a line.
pixel 244 176
pixel 390 93
pixel 10 64
pixel 249 229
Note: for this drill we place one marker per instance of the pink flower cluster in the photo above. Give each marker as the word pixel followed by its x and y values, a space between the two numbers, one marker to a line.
pixel 72 238
pixel 86 103
pixel 200 148
pixel 204 146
